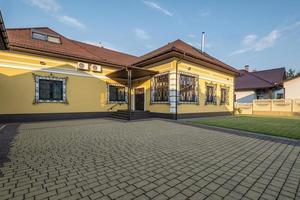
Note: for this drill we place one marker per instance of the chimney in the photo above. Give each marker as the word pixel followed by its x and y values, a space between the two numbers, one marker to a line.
pixel 247 68
pixel 203 41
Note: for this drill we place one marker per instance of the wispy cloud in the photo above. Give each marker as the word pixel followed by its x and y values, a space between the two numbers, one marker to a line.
pixel 142 34
pixel 253 43
pixel 205 13
pixel 191 35
pixel 46 5
pixel 53 7
pixel 157 7
pixel 71 21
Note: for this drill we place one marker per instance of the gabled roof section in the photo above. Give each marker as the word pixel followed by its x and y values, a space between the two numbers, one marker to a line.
pixel 260 79
pixel 4 44
pixel 107 54
pixel 21 39
pixel 185 49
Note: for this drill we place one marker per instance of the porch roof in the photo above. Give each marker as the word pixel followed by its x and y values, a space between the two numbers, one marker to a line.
pixel 136 74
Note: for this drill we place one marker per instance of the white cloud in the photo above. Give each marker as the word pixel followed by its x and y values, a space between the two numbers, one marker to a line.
pixel 205 13
pixel 46 5
pixel 71 21
pixel 140 33
pixel 158 8
pixel 253 43
pixel 249 39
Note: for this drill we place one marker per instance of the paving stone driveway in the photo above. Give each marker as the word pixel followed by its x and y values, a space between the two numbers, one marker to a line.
pixel 155 159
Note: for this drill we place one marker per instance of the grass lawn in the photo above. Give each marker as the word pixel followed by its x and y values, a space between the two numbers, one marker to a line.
pixel 279 126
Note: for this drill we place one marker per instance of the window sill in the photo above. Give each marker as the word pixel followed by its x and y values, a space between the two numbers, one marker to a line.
pixel 187 102
pixel 50 101
pixel 120 102
pixel 160 102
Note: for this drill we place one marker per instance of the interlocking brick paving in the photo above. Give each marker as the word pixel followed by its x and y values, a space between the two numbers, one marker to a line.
pixel 155 159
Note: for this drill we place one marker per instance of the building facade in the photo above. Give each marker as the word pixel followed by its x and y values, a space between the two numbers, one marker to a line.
pixel 44 75
pixel 265 84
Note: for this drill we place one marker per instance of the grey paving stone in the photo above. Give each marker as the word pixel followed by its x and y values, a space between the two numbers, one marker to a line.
pixel 152 159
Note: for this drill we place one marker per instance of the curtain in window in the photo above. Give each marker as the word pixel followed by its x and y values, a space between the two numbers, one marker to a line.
pixel 211 94
pixel 188 88
pixel 160 89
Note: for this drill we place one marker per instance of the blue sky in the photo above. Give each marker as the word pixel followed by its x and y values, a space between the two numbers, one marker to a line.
pixel 262 34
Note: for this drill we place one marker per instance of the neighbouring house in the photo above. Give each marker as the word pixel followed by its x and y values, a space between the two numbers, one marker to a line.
pixel 44 75
pixel 265 84
pixel 292 88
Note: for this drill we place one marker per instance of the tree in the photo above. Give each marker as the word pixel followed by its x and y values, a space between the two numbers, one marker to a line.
pixel 290 73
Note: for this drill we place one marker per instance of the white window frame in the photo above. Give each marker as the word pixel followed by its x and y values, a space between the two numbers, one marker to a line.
pixel 37 89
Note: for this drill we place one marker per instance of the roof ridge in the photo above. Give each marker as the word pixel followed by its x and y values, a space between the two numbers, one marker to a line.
pixel 259 77
pixel 24 28
pixel 270 69
pixel 103 48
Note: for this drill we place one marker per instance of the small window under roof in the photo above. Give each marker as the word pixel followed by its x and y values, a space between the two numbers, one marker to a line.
pixel 45 37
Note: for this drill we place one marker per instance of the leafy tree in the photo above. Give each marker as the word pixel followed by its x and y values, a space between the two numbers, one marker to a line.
pixel 290 73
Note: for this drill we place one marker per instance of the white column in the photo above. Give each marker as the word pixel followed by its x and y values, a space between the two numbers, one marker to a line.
pixel 172 91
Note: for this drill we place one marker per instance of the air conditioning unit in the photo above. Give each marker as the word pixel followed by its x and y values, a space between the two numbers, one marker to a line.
pixel 96 68
pixel 82 66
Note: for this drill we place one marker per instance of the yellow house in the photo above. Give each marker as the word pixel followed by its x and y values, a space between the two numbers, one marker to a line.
pixel 44 75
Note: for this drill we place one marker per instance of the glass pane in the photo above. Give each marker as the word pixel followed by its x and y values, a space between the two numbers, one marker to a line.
pixel 50 90
pixel 39 36
pixel 187 86
pixel 54 39
pixel 116 93
pixel 161 88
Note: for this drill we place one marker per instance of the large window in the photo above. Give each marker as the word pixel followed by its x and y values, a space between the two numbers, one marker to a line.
pixel 117 93
pixel 50 89
pixel 160 88
pixel 210 94
pixel 188 88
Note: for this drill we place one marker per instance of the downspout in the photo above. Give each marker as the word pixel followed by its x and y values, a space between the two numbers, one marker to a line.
pixel 176 92
pixel 129 93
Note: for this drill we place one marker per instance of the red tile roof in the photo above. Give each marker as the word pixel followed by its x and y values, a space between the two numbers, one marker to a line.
pixel 184 48
pixel 22 38
pixel 260 79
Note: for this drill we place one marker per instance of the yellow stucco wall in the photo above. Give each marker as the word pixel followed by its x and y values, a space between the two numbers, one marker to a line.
pixel 87 91
pixel 207 75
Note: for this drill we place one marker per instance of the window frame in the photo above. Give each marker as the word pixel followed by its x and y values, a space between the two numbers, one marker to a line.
pixel 46 37
pixel 226 88
pixel 152 86
pixel 214 87
pixel 108 93
pixel 196 88
pixel 37 79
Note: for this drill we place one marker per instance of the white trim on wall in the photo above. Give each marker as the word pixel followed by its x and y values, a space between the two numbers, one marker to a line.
pixel 57 71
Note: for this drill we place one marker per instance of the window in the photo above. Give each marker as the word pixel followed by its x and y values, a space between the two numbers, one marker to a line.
pixel 188 88
pixel 54 39
pixel 160 88
pixel 117 93
pixel 279 96
pixel 39 36
pixel 50 89
pixel 210 94
pixel 45 37
pixel 223 96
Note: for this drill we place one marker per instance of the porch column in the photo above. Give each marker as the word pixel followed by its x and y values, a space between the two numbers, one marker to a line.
pixel 129 94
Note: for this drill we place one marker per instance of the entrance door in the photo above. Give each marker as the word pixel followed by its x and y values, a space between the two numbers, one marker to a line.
pixel 139 98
